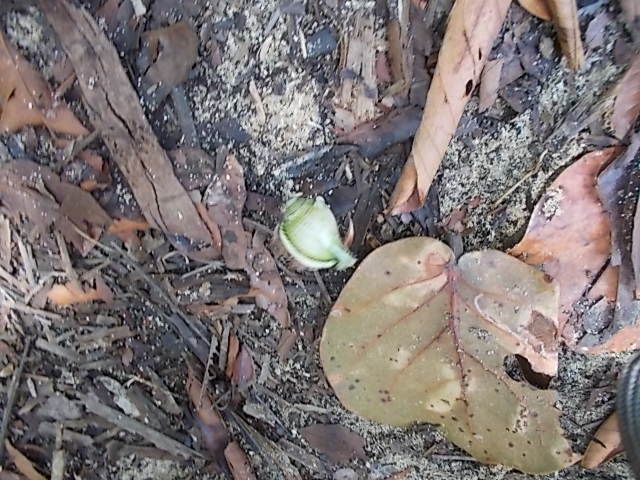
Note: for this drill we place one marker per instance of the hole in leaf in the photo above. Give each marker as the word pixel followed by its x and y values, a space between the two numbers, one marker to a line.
pixel 468 88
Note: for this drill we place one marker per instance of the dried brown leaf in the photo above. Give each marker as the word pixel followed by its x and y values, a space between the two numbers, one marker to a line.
pixel 4 475
pixel 214 431
pixel 631 9
pixel 232 353
pixel 115 110
pixel 126 228
pixel 338 443
pixel 238 462
pixel 565 17
pixel 606 443
pixel 415 337
pixel 266 282
pixel 243 369
pixel 70 293
pixel 34 191
pixel 172 51
pixel 626 107
pixel 569 232
pixel 539 8
pixel 489 84
pixel 22 463
pixel 26 99
pixel 471 30
pixel 224 200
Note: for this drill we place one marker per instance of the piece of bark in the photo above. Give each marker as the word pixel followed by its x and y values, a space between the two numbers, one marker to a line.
pixel 606 443
pixel 627 103
pixel 471 31
pixel 114 109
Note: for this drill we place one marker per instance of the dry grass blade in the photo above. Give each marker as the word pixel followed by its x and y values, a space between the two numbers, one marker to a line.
pixel 26 99
pixel 472 28
pixel 627 104
pixel 606 443
pixel 114 109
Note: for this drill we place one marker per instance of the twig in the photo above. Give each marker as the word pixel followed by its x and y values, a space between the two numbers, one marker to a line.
pixel 11 396
pixel 323 288
pixel 213 343
pixel 527 175
pixel 455 458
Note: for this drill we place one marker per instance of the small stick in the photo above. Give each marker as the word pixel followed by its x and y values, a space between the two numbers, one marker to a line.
pixel 529 174
pixel 323 288
pixel 11 396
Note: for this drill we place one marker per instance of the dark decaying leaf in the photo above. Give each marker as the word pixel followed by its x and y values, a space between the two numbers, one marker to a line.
pixel 471 30
pixel 26 99
pixel 238 462
pixel 169 53
pixel 34 191
pixel 606 443
pixel 114 109
pixel 627 104
pixel 415 337
pixel 618 187
pixel 569 232
pixel 224 201
pixel 265 281
pixel 214 431
pixel 338 443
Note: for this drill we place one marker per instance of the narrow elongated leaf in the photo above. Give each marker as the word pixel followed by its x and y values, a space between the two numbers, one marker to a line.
pixel 414 337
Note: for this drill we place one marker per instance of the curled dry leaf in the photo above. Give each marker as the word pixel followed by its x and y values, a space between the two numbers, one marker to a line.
pixel 238 462
pixel 114 109
pixel 606 443
pixel 627 104
pixel 214 431
pixel 26 99
pixel 569 232
pixel 414 337
pixel 22 463
pixel 171 52
pixel 224 201
pixel 338 443
pixel 71 293
pixel 472 28
pixel 34 191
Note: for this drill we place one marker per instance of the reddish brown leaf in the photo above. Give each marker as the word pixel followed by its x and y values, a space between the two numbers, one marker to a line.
pixel 70 293
pixel 489 84
pixel 115 110
pixel 224 200
pixel 214 431
pixel 338 443
pixel 266 282
pixel 232 353
pixel 126 228
pixel 22 463
pixel 606 443
pixel 238 462
pixel 417 337
pixel 34 191
pixel 539 8
pixel 471 30
pixel 243 369
pixel 569 232
pixel 25 98
pixel 172 51
pixel 626 107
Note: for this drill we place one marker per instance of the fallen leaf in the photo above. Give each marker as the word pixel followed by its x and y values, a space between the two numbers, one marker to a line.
pixel 338 443
pixel 232 353
pixel 126 228
pixel 594 35
pixel 489 84
pixel 32 190
pixel 539 8
pixel 238 462
pixel 170 53
pixel 414 337
pixel 214 431
pixel 26 99
pixel 606 443
pixel 224 201
pixel 266 282
pixel 243 370
pixel 565 17
pixel 4 475
pixel 627 103
pixel 22 463
pixel 70 293
pixel 568 235
pixel 631 10
pixel 114 109
pixel 471 30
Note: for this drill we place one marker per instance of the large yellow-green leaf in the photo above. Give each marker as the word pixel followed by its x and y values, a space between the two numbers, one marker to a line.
pixel 415 337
